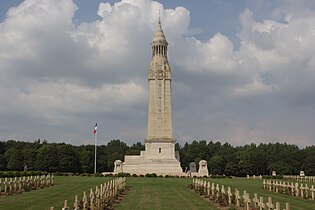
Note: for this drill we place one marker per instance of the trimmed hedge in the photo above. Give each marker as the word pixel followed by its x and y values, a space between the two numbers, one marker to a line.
pixel 4 174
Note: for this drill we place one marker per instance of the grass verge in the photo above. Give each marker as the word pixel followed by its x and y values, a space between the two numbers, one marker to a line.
pixel 161 193
pixel 65 188
pixel 255 186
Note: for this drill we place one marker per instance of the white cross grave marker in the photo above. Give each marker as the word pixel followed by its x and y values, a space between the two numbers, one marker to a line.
pixel 208 188
pixel 261 204
pixel 306 191
pixel 237 197
pixel 302 191
pixel 212 189
pixel 246 200
pixel 270 205
pixel 277 186
pixel 65 205
pixel 312 191
pixel 297 191
pixel 230 194
pixel 292 189
pixel 255 200
pixel 264 184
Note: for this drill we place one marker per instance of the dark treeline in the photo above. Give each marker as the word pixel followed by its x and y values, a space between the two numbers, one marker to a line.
pixel 225 159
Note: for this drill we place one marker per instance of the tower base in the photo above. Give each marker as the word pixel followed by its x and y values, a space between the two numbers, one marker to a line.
pixel 159 157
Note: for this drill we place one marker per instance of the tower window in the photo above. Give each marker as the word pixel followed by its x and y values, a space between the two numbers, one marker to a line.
pixel 160 150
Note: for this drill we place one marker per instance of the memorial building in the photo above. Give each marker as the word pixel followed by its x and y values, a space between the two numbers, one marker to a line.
pixel 159 156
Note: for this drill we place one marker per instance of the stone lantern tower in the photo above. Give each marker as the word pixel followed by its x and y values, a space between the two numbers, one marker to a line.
pixel 159 156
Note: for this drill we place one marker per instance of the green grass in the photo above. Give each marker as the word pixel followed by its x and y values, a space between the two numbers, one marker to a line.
pixel 144 193
pixel 162 193
pixel 66 187
pixel 255 186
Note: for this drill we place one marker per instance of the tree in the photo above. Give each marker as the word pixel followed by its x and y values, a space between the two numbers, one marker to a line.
pixel 259 160
pixel 15 161
pixel 244 157
pixel 308 166
pixel 308 163
pixel 86 160
pixel 197 150
pixel 68 159
pixel 215 164
pixel 135 149
pixel 280 167
pixel 30 155
pixel 222 158
pixel 231 169
pixel 115 150
pixel 3 162
pixel 47 158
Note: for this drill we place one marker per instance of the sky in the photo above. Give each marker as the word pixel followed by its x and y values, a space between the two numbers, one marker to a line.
pixel 242 71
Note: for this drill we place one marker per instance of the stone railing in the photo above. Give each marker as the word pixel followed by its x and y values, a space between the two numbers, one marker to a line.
pixel 300 178
pixel 9 186
pixel 100 198
pixel 224 197
pixel 294 189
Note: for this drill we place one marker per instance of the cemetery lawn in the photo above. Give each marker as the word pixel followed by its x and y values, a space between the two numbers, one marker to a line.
pixel 161 193
pixel 255 186
pixel 65 188
pixel 144 193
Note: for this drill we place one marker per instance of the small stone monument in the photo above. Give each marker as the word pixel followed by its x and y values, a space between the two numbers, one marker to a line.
pixel 302 173
pixel 118 166
pixel 192 167
pixel 203 168
pixel 274 173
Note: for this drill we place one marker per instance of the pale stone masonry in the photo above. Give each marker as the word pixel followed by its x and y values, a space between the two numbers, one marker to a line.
pixel 159 156
pixel 159 95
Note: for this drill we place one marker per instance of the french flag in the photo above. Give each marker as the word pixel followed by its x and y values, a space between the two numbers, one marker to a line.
pixel 95 129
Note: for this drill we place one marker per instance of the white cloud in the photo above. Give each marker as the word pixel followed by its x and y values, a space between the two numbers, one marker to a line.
pixel 60 74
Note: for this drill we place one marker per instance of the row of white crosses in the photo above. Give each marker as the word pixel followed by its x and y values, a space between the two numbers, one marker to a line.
pixel 100 198
pixel 214 191
pixel 301 178
pixel 294 189
pixel 254 177
pixel 9 186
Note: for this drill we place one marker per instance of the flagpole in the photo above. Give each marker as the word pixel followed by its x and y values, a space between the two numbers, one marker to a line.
pixel 95 142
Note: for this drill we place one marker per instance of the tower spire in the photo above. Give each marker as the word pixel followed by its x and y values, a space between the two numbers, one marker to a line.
pixel 159 34
pixel 159 21
pixel 159 43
